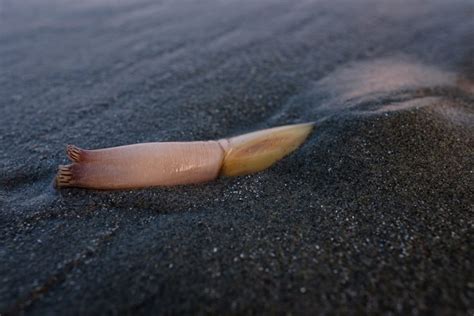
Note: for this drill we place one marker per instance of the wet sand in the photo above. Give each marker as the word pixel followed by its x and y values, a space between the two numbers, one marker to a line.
pixel 372 215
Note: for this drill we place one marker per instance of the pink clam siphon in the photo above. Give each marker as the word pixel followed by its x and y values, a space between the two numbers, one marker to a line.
pixel 177 163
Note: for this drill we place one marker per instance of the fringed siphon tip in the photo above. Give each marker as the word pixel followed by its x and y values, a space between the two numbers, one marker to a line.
pixel 74 153
pixel 64 178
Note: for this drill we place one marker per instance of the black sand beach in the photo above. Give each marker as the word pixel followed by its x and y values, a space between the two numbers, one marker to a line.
pixel 372 215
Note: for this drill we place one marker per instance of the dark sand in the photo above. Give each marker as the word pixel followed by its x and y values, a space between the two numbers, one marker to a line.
pixel 374 214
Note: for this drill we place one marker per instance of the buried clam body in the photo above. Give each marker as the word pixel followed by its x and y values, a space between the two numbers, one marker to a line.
pixel 176 163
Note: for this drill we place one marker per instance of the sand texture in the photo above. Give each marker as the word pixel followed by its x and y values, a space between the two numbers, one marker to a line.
pixel 374 214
